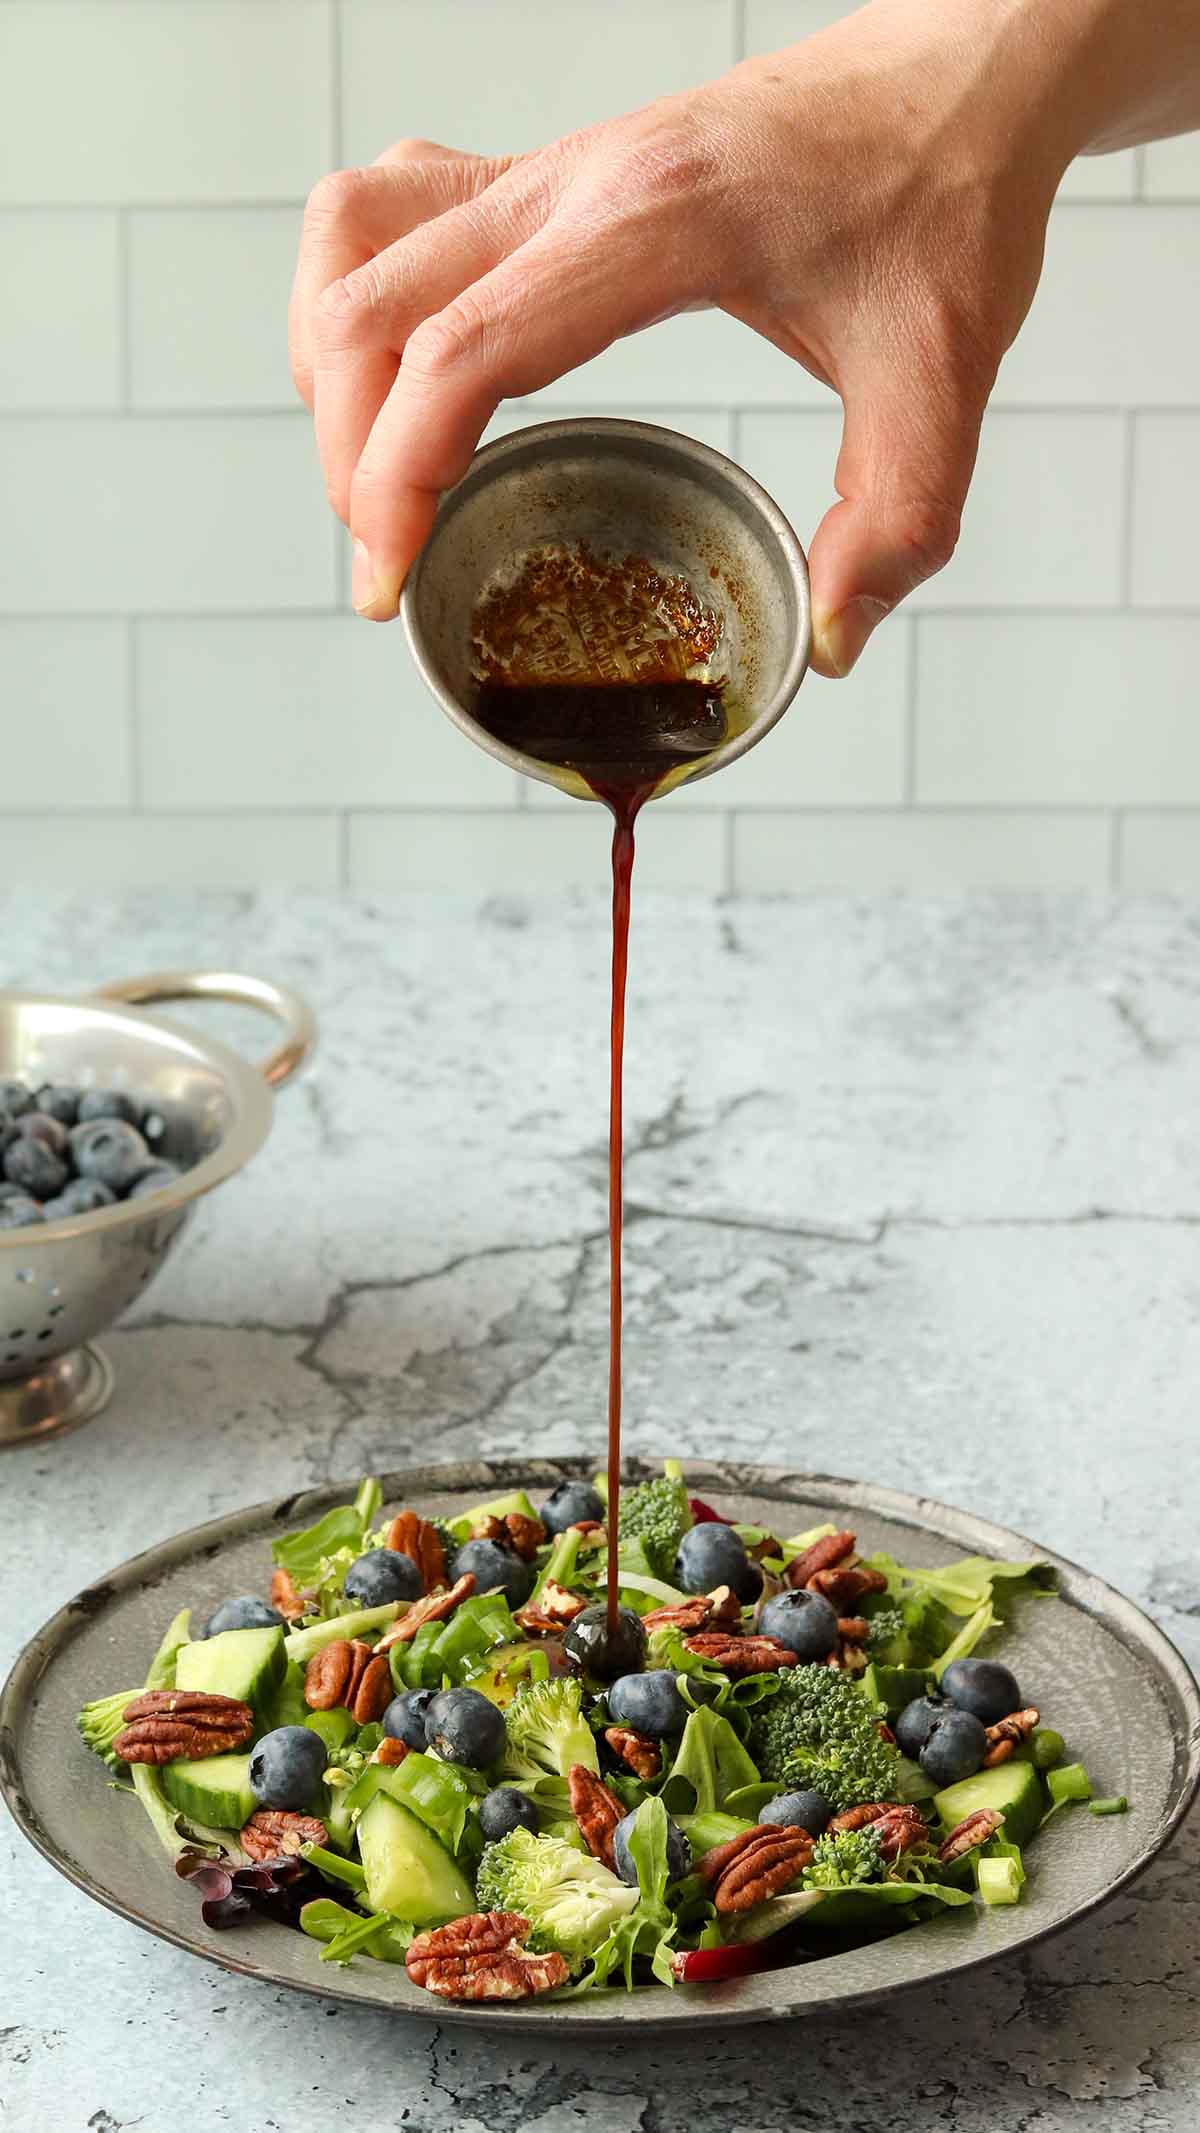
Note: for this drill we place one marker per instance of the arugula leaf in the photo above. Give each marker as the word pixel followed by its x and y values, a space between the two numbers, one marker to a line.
pixel 710 1763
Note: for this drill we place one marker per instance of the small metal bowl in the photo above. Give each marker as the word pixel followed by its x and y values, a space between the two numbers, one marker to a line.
pixel 623 488
pixel 63 1282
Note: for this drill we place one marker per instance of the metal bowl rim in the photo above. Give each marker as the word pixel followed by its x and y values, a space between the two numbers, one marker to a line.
pixel 574 429
pixel 245 1137
pixel 1093 1595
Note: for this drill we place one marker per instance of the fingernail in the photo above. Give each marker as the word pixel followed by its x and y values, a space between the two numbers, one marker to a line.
pixel 841 637
pixel 369 597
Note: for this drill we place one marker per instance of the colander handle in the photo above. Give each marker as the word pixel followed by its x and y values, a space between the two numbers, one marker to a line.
pixel 297 1017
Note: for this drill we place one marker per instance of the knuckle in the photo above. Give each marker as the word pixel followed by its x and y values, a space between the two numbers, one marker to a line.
pixel 344 307
pixel 450 340
pixel 336 196
pixel 414 149
pixel 928 528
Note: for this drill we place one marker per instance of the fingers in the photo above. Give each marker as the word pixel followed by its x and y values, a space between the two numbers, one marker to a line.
pixel 352 214
pixel 363 321
pixel 554 303
pixel 908 453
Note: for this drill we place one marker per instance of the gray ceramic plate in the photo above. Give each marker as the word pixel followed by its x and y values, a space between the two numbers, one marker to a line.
pixel 1101 1672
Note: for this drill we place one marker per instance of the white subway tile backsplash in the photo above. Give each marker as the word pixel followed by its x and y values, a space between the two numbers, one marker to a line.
pixel 1166 485
pixel 208 307
pixel 1159 854
pixel 926 854
pixel 1111 177
pixel 61 344
pixel 139 100
pixel 704 357
pixel 302 711
pixel 1057 710
pixel 711 425
pixel 1043 522
pixel 217 851
pixel 503 79
pixel 1172 169
pixel 159 513
pixel 534 852
pixel 1116 320
pixel 64 715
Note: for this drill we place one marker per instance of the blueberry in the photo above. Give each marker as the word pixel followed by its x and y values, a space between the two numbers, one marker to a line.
pixel 495 1569
pixel 650 1703
pixel 592 1650
pixel 804 1621
pixel 246 1612
pixel 916 1722
pixel 111 1150
pixel 570 1504
pixel 464 1727
pixel 286 1767
pixel 679 1851
pixel 504 1810
pixel 35 1168
pixel 108 1103
pixel 11 1192
pixel 712 1555
pixel 153 1129
pixel 982 1687
pixel 156 1179
pixel 39 1126
pixel 83 1196
pixel 59 1103
pixel 797 1810
pixel 404 1718
pixel 954 1747
pixel 15 1098
pixel 381 1575
pixel 20 1212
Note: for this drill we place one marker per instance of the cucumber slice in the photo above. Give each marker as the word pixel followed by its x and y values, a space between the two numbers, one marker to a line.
pixel 215 1791
pixel 247 1664
pixel 894 1686
pixel 1015 1788
pixel 465 1523
pixel 408 1872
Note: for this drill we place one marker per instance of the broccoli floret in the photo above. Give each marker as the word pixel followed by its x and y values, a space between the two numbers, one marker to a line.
pixel 100 1722
pixel 820 1731
pixel 849 1857
pixel 571 1900
pixel 547 1732
pixel 886 1626
pixel 658 1514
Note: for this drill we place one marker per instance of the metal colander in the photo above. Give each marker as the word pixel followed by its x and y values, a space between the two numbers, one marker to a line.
pixel 63 1282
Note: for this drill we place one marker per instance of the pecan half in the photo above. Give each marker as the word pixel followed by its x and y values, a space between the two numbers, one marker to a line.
pixel 554 1608
pixel 489 1529
pixel 334 1674
pixel 435 1607
pixel 854 1629
pixel 976 1829
pixel 278 1833
pixel 1004 1738
pixel 821 1556
pixel 755 1865
pixel 858 1817
pixel 845 1585
pixel 524 1534
pixel 596 1810
pixel 853 1659
pixel 164 1724
pixel 373 1693
pixel 286 1597
pixel 642 1756
pixel 483 1958
pixel 901 1829
pixel 389 1752
pixel 689 1614
pixel 741 1655
pixel 411 1535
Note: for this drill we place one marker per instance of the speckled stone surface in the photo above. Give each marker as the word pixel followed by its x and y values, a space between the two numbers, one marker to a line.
pixel 914 1194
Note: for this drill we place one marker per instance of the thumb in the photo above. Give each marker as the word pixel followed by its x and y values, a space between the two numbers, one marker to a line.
pixel 908 453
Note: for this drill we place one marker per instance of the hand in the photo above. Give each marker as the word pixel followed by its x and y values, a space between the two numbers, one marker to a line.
pixel 873 201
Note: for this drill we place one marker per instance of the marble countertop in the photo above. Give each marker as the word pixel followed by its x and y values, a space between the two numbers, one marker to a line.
pixel 914 1193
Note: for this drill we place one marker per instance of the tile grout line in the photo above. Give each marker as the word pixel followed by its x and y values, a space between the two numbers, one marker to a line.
pixel 739 30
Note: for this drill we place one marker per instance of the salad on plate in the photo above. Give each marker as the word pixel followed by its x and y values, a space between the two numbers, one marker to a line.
pixel 435 1744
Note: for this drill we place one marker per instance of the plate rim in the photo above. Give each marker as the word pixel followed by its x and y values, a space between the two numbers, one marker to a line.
pixel 1079 1587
